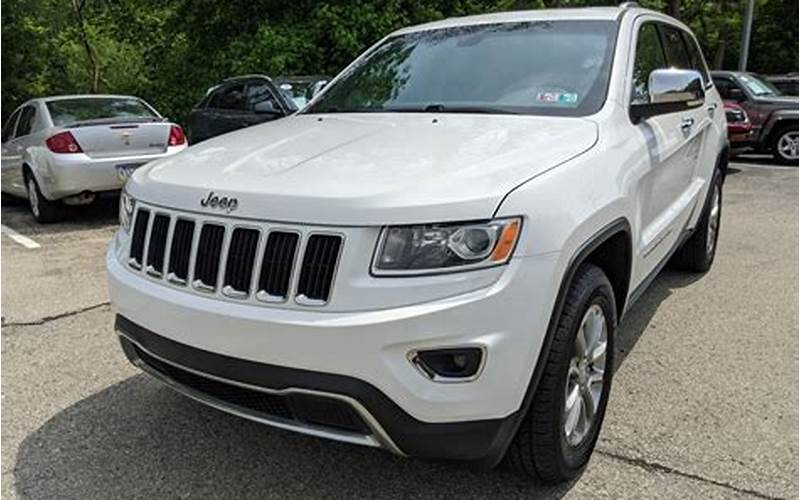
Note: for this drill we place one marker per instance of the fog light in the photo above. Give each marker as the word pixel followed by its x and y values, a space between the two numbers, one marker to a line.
pixel 449 365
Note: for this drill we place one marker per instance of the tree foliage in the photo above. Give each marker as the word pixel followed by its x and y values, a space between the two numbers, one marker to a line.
pixel 170 51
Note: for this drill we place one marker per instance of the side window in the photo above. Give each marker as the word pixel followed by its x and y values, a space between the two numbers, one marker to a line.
pixel 8 128
pixel 677 57
pixel 696 57
pixel 724 86
pixel 649 57
pixel 231 97
pixel 25 125
pixel 260 97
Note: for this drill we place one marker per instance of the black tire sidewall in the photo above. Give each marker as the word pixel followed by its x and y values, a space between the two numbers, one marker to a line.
pixel 574 458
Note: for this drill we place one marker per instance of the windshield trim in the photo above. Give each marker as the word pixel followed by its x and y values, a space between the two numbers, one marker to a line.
pixel 528 110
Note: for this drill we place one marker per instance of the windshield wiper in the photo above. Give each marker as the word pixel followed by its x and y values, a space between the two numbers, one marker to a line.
pixel 442 108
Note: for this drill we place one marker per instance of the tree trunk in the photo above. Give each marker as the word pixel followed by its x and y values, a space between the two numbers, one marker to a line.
pixel 674 7
pixel 719 57
pixel 722 38
pixel 90 53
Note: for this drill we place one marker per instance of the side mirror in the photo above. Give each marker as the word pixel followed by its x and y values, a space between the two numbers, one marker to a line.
pixel 266 108
pixel 671 90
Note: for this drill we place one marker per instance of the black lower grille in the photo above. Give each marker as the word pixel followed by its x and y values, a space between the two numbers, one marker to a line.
pixel 209 249
pixel 241 259
pixel 181 249
pixel 306 408
pixel 157 244
pixel 273 405
pixel 319 264
pixel 139 233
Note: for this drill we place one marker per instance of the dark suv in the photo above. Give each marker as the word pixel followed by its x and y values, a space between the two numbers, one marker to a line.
pixel 772 114
pixel 236 103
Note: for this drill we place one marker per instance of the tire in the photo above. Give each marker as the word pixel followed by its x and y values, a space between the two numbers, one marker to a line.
pixel 544 448
pixel 43 210
pixel 698 252
pixel 784 145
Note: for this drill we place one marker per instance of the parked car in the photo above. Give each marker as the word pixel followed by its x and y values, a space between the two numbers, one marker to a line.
pixel 773 116
pixel 740 130
pixel 301 89
pixel 429 258
pixel 238 102
pixel 69 149
pixel 787 84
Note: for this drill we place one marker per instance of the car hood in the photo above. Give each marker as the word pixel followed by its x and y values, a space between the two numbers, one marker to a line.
pixel 787 102
pixel 366 169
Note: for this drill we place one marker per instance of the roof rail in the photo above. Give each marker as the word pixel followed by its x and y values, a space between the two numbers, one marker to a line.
pixel 629 5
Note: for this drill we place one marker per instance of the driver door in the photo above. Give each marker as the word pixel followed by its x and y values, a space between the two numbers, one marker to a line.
pixel 669 186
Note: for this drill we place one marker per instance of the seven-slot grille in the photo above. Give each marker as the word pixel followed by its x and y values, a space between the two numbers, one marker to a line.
pixel 235 260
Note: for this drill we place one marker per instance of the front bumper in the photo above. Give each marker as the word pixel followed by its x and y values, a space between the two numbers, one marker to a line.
pixel 362 356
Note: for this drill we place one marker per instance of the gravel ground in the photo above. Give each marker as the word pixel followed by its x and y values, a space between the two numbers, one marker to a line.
pixel 704 403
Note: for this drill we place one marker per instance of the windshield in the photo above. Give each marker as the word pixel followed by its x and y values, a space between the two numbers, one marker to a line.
pixel 545 67
pixel 66 111
pixel 295 91
pixel 759 87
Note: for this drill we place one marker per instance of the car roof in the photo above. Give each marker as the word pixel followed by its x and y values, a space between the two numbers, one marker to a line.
pixel 584 13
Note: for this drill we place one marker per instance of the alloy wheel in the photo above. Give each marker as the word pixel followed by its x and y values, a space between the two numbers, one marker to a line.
pixel 787 145
pixel 585 376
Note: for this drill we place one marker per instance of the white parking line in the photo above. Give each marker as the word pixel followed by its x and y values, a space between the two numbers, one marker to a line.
pixel 22 240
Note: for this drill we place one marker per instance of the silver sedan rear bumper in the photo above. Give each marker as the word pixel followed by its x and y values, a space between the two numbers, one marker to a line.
pixel 72 174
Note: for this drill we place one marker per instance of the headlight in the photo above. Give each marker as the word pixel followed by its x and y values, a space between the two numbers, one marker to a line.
pixel 435 248
pixel 126 206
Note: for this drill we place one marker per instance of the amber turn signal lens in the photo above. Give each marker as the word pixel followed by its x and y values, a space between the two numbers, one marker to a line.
pixel 505 245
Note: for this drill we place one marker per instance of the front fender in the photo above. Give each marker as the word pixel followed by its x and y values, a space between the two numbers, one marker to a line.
pixel 775 119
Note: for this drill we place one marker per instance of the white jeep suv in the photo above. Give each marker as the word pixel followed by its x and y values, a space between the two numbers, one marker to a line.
pixel 434 255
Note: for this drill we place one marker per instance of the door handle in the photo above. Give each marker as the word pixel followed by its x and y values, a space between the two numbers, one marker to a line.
pixel 711 108
pixel 687 124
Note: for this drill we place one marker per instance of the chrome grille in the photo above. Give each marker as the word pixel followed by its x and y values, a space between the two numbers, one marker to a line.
pixel 276 266
pixel 180 251
pixel 157 244
pixel 238 261
pixel 139 235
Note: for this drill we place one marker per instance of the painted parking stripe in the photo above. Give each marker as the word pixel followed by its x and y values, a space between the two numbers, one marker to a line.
pixel 22 240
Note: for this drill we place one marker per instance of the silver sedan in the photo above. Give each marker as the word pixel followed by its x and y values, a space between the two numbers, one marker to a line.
pixel 69 149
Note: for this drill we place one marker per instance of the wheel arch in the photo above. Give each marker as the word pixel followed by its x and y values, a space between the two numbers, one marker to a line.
pixel 595 249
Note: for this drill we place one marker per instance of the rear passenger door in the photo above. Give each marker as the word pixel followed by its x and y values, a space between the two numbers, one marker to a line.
pixel 668 187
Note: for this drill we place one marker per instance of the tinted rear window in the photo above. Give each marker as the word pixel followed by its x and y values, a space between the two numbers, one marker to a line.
pixel 66 111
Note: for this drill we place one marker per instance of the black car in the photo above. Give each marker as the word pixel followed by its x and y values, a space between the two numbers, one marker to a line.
pixel 236 103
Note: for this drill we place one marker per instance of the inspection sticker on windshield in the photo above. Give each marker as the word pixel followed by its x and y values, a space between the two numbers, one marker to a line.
pixel 557 97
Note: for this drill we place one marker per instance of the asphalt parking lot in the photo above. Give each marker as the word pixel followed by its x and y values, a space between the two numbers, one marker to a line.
pixel 704 403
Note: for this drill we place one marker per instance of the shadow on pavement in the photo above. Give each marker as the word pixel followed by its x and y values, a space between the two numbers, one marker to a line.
pixel 638 318
pixel 139 439
pixel 101 213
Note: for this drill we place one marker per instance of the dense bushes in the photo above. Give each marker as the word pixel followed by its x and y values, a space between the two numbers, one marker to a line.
pixel 171 51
